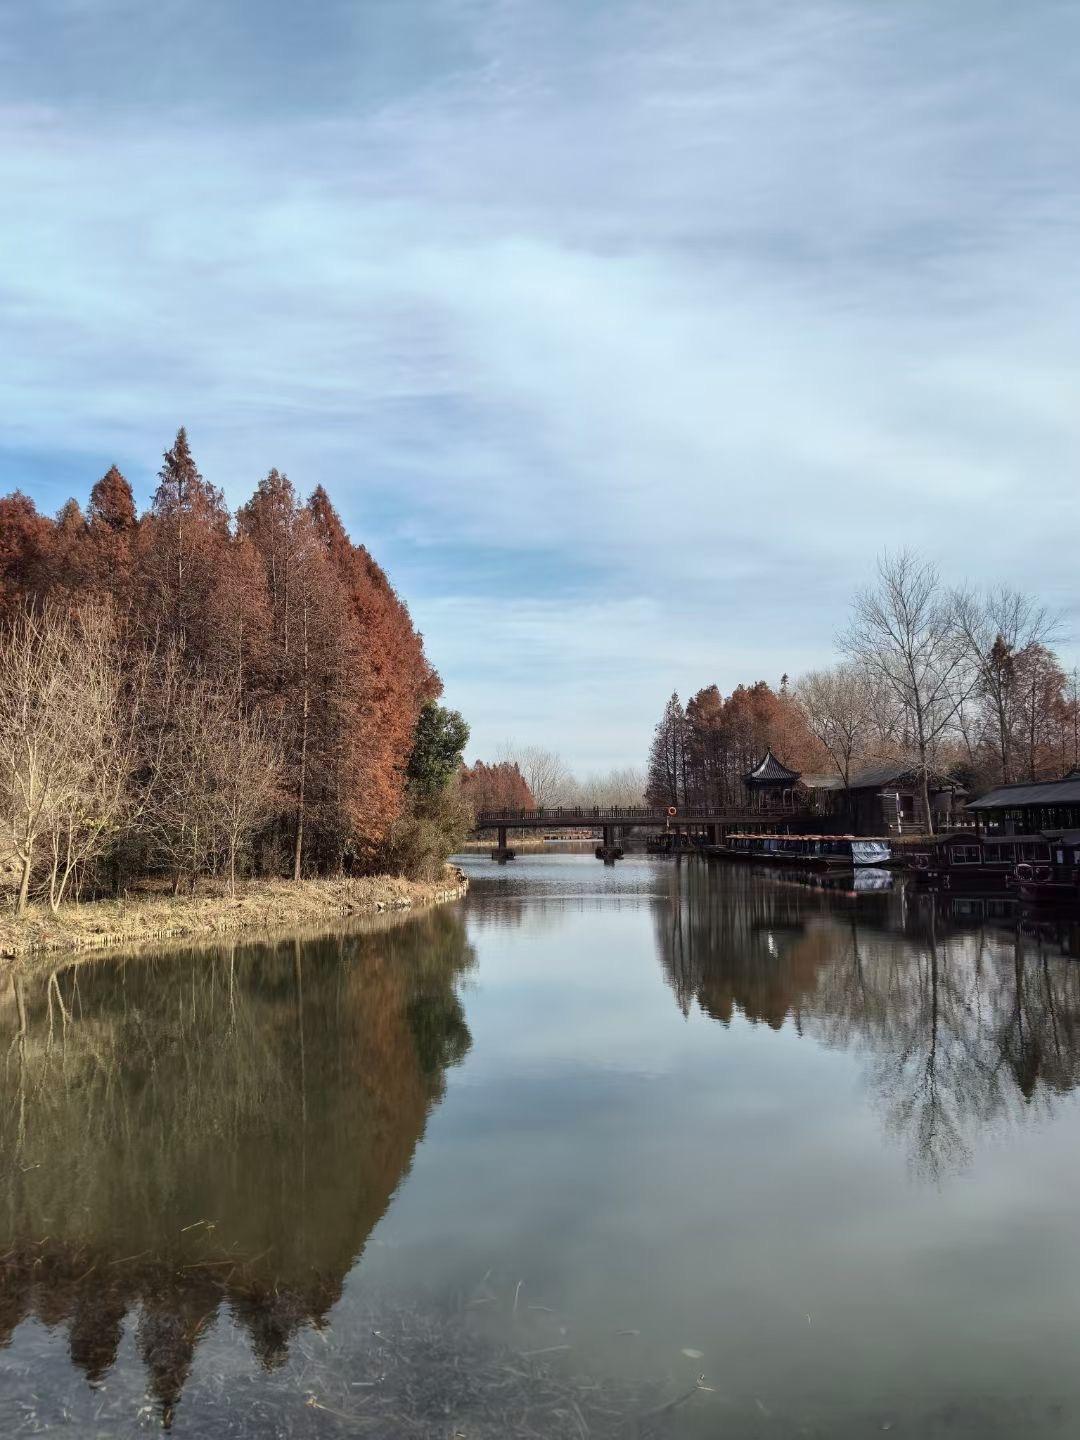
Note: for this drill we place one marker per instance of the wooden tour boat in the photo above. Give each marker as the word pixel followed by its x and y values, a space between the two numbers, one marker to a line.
pixel 815 852
pixel 1055 880
pixel 1040 868
pixel 977 863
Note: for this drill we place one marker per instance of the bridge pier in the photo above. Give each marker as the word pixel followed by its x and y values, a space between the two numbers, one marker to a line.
pixel 609 851
pixel 502 851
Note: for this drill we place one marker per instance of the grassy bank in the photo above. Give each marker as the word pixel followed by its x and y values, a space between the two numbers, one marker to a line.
pixel 258 905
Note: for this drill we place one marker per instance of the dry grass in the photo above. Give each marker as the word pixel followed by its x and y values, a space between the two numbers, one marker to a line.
pixel 257 905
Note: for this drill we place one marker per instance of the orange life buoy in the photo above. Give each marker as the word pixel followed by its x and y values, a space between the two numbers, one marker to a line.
pixel 671 810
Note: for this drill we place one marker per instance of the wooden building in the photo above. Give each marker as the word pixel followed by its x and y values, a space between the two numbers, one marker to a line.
pixel 771 788
pixel 1045 806
pixel 885 799
pixel 882 799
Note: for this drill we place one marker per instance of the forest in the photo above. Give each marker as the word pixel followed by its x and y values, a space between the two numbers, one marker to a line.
pixel 189 693
pixel 951 680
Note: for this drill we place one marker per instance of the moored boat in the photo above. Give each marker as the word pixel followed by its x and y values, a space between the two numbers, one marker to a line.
pixel 1055 880
pixel 815 852
pixel 963 861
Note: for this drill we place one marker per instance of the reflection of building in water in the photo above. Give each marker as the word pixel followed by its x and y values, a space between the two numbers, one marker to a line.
pixel 963 1022
pixel 222 1127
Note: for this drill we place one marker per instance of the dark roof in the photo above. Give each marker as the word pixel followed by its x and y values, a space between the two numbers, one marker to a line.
pixel 770 772
pixel 873 777
pixel 1042 792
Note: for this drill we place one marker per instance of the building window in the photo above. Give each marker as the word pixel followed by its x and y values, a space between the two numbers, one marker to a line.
pixel 965 854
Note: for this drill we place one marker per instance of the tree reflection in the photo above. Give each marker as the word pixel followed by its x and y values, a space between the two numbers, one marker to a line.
pixel 964 1022
pixel 215 1128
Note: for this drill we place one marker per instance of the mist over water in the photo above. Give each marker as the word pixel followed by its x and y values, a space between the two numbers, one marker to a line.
pixel 578 1140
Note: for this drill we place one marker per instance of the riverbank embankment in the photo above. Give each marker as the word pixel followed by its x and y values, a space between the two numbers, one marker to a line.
pixel 258 905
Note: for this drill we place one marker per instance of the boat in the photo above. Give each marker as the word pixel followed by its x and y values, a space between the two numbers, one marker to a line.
pixel 816 852
pixel 976 864
pixel 1055 880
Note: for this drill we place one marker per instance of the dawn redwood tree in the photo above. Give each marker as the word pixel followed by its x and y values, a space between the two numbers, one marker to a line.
pixel 302 659
pixel 109 542
pixel 666 782
pixel 25 543
pixel 112 505
pixel 379 685
pixel 182 555
pixel 499 786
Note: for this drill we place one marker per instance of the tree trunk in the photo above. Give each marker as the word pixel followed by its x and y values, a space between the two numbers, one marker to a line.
pixel 24 883
pixel 924 784
pixel 302 778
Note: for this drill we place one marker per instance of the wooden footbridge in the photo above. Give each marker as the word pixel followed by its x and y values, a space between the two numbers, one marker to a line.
pixel 615 821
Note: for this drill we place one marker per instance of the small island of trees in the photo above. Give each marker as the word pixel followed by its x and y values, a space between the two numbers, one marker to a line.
pixel 189 693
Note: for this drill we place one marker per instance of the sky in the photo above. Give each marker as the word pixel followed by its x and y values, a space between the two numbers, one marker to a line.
pixel 625 333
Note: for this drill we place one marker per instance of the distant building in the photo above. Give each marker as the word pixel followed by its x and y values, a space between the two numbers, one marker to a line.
pixel 1031 809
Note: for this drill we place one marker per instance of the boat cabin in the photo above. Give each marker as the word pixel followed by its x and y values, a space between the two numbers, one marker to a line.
pixel 964 861
pixel 814 851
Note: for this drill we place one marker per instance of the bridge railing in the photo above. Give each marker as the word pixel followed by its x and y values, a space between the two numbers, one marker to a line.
pixel 570 815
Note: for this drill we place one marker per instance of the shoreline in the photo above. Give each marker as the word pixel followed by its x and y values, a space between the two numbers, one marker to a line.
pixel 259 905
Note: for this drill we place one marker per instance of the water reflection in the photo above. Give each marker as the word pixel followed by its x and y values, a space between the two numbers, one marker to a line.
pixel 967 1013
pixel 215 1129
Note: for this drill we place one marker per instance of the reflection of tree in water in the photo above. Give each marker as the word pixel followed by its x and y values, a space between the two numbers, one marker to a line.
pixel 214 1127
pixel 960 1028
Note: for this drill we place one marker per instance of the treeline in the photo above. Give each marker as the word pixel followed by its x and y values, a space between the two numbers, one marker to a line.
pixel 189 692
pixel 952 681
pixel 701 752
pixel 533 777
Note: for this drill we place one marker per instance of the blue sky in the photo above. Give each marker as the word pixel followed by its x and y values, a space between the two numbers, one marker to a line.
pixel 625 334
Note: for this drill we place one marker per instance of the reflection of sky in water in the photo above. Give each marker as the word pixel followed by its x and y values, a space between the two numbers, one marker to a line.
pixel 782 1126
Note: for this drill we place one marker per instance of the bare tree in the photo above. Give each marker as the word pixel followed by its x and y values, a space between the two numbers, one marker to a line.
pixel 101 716
pixel 998 628
pixel 65 745
pixel 840 708
pixel 245 775
pixel 545 773
pixel 623 787
pixel 217 776
pixel 904 632
pixel 35 664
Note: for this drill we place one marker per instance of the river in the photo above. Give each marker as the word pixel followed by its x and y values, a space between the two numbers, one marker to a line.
pixel 648 1149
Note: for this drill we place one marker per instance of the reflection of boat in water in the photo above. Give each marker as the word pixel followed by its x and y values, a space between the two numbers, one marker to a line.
pixel 865 880
pixel 816 852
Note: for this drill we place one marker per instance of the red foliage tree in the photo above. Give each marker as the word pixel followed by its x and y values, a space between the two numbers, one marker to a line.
pixel 25 539
pixel 282 611
pixel 496 787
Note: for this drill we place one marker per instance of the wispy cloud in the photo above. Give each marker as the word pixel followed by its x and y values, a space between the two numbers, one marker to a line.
pixel 681 311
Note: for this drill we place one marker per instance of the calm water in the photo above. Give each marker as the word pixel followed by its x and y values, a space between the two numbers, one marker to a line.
pixel 495 1170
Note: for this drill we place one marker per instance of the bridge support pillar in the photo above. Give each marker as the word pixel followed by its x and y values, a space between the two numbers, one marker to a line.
pixel 502 851
pixel 609 851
